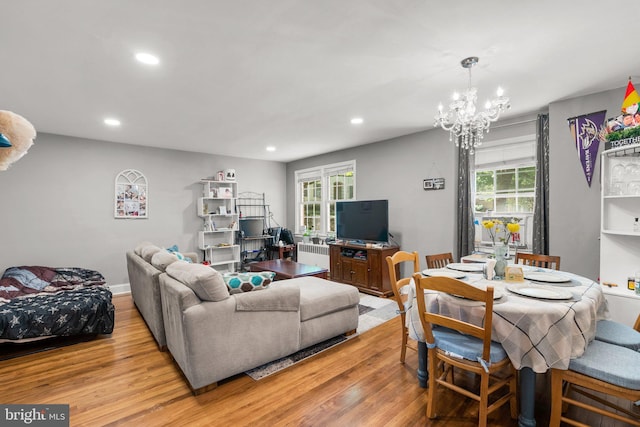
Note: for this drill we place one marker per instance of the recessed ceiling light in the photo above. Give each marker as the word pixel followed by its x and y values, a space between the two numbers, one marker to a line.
pixel 271 148
pixel 357 121
pixel 112 122
pixel 147 58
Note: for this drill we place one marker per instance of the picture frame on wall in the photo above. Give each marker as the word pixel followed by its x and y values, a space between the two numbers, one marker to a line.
pixel 131 195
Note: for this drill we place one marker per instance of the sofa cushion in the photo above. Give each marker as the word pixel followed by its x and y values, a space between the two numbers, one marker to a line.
pixel 319 297
pixel 161 260
pixel 141 245
pixel 238 282
pixel 148 251
pixel 205 282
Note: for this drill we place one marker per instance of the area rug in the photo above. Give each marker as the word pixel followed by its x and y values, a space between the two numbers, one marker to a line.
pixel 374 311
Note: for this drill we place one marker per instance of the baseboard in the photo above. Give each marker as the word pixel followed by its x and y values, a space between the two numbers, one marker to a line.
pixel 122 288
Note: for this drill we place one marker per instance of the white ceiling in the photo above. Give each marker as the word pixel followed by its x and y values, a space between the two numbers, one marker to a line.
pixel 238 75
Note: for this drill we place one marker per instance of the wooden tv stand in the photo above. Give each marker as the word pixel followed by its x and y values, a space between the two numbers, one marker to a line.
pixel 362 266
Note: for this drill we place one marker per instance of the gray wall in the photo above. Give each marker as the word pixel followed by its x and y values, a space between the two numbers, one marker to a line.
pixel 574 207
pixel 57 201
pixel 394 169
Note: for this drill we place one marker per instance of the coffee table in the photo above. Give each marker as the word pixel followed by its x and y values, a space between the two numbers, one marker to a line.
pixel 286 269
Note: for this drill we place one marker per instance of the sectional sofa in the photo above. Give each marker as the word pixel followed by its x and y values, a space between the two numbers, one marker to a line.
pixel 213 334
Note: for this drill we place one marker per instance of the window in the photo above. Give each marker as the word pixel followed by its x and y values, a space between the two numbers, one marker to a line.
pixel 318 190
pixel 505 178
pixel 505 190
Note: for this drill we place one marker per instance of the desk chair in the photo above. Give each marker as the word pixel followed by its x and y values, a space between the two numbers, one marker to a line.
pixel 439 260
pixel 403 292
pixel 538 260
pixel 465 346
pixel 603 368
pixel 616 333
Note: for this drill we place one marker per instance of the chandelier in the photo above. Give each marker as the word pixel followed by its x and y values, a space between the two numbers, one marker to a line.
pixel 465 125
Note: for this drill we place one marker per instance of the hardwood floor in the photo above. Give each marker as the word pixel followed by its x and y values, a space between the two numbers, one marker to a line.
pixel 125 380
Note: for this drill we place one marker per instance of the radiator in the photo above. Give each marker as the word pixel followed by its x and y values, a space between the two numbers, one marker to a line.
pixel 311 254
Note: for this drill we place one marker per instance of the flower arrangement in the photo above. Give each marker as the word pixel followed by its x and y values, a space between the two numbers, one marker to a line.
pixel 503 229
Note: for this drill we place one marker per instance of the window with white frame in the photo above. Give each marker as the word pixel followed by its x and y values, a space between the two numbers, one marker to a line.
pixel 317 191
pixel 504 184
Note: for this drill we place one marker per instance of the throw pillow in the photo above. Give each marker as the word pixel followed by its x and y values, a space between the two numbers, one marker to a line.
pixel 247 282
pixel 161 260
pixel 205 282
pixel 148 251
pixel 138 249
pixel 174 250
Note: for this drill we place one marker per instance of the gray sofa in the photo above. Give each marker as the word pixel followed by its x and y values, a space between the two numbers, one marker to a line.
pixel 213 335
pixel 144 265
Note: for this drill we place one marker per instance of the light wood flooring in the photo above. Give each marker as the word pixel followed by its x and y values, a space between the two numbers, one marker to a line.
pixel 125 380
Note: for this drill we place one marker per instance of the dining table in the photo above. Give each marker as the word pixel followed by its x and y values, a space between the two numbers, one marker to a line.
pixel 542 321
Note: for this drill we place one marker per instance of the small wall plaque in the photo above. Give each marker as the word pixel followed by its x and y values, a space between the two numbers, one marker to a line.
pixel 433 184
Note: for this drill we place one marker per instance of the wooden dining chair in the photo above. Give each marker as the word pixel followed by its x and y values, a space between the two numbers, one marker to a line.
pixel 402 293
pixel 538 260
pixel 604 368
pixel 439 260
pixel 456 343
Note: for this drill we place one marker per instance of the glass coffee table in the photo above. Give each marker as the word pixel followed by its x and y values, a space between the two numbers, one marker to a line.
pixel 286 269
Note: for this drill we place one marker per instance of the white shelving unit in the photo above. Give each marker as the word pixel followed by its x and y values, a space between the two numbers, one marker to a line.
pixel 217 208
pixel 619 243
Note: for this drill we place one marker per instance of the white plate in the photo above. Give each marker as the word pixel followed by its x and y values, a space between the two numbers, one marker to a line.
pixel 497 294
pixel 466 266
pixel 540 276
pixel 441 272
pixel 540 291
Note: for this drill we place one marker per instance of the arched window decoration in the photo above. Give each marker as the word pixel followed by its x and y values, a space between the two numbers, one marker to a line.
pixel 131 198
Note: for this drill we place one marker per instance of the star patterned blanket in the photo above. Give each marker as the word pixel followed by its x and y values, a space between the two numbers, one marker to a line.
pixel 40 301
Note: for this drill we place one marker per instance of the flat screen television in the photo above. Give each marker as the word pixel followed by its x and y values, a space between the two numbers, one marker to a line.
pixel 363 220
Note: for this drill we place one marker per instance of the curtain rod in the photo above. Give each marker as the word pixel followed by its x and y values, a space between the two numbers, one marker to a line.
pixel 513 124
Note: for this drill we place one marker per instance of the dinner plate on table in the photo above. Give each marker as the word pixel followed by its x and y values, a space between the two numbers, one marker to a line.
pixel 540 291
pixel 542 276
pixel 443 272
pixel 466 267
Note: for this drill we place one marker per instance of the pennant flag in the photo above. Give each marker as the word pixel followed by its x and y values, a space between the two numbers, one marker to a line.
pixel 586 131
pixel 631 98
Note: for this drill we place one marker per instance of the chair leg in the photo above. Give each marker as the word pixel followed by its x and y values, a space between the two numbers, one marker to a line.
pixel 484 400
pixel 556 399
pixel 405 334
pixel 433 373
pixel 513 389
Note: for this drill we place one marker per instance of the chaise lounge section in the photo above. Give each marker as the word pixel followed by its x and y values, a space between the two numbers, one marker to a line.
pixel 212 334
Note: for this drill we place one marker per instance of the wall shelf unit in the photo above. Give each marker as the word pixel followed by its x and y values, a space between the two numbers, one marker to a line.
pixel 217 208
pixel 619 242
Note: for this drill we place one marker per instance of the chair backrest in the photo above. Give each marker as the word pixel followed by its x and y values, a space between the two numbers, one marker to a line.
pixel 397 283
pixel 538 260
pixel 461 289
pixel 439 260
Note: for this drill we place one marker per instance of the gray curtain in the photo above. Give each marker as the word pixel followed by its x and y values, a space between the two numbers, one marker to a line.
pixel 541 209
pixel 465 231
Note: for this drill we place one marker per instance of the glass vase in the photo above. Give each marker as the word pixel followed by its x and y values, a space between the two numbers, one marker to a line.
pixel 501 252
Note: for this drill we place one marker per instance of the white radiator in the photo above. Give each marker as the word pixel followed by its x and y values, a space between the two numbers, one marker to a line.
pixel 311 254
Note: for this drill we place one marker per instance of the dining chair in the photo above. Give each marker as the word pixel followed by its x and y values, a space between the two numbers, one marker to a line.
pixel 403 292
pixel 455 343
pixel 439 260
pixel 538 260
pixel 613 332
pixel 604 368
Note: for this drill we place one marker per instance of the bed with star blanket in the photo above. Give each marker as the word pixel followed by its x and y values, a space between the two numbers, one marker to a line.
pixel 38 302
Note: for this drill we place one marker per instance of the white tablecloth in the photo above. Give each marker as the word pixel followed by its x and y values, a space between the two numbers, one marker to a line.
pixel 535 333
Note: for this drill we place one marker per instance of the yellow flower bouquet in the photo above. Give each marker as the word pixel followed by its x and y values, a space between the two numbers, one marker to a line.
pixel 502 229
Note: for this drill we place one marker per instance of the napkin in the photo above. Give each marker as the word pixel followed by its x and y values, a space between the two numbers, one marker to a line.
pixel 489 268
